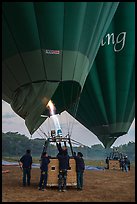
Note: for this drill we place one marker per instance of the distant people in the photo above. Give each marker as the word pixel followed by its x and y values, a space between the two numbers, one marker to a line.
pixel 26 164
pixel 122 163
pixel 80 167
pixel 107 162
pixel 45 160
pixel 63 158
pixel 127 164
pixel 115 157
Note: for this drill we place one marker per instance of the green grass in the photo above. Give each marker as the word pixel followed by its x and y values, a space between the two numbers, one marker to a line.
pixel 100 163
pixel 95 162
pixel 10 159
pixel 15 159
pixel 36 160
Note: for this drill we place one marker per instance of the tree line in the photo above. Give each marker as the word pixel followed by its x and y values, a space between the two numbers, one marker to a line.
pixel 15 144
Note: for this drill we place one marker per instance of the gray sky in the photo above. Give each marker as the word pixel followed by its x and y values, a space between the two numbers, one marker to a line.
pixel 14 123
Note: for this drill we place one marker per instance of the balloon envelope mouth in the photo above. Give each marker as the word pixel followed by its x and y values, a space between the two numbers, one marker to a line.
pixel 66 94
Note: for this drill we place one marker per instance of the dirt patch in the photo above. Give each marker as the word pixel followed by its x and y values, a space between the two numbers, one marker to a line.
pixel 99 186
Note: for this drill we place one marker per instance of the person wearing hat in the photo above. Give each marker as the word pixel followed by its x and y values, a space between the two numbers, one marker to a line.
pixel 45 160
pixel 26 163
pixel 80 167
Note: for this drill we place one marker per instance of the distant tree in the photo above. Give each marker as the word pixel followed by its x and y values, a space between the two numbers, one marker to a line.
pixel 15 144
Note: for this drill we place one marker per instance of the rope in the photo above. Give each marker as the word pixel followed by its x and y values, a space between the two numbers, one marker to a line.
pixel 40 134
pixel 43 133
pixel 78 142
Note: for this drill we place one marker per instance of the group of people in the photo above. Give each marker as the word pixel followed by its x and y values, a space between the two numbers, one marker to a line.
pixel 63 158
pixel 124 163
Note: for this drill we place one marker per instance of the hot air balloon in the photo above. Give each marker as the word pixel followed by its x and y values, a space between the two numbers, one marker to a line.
pixel 48 49
pixel 107 102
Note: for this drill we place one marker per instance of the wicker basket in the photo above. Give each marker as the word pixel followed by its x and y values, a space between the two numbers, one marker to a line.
pixel 114 164
pixel 53 171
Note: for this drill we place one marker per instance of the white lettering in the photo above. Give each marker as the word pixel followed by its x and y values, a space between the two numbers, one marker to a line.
pixel 102 44
pixel 118 43
pixel 123 34
pixel 109 37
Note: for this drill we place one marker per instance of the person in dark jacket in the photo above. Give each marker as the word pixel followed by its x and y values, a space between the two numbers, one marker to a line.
pixel 107 162
pixel 26 163
pixel 80 167
pixel 63 158
pixel 62 149
pixel 45 160
pixel 127 164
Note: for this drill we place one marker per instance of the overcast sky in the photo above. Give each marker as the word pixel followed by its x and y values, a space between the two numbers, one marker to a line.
pixel 14 123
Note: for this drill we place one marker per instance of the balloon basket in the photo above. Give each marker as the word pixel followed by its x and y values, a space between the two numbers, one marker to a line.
pixel 53 168
pixel 114 164
pixel 53 171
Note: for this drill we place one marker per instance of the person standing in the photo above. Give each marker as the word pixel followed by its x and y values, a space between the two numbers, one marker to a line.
pixel 80 167
pixel 62 149
pixel 107 162
pixel 45 160
pixel 127 164
pixel 63 158
pixel 26 164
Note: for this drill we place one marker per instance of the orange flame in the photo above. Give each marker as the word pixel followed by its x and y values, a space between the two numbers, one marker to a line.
pixel 52 108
